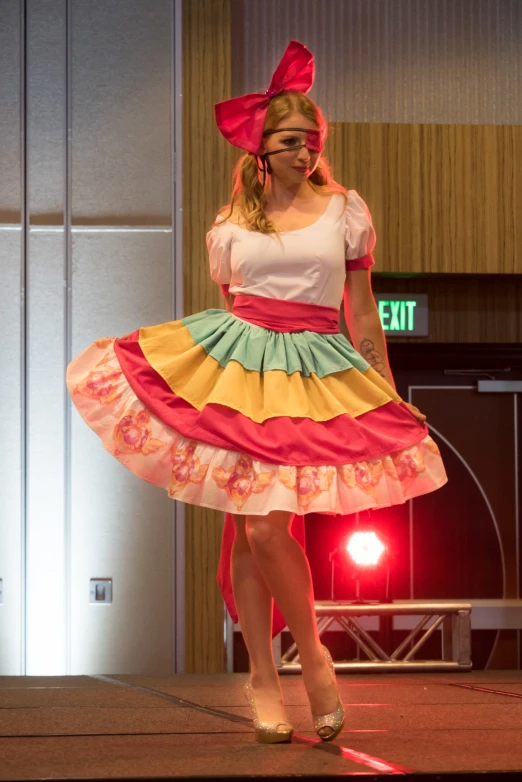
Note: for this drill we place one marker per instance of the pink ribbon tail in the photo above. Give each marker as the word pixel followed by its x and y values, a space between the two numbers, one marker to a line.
pixel 224 578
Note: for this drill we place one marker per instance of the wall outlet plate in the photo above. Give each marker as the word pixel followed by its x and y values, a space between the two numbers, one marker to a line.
pixel 100 590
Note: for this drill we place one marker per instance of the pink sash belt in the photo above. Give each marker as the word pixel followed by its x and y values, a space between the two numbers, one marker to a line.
pixel 281 315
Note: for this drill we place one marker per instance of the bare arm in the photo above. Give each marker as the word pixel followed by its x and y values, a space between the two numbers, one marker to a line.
pixel 364 323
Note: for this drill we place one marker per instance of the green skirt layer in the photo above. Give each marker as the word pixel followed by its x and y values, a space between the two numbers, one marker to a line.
pixel 227 338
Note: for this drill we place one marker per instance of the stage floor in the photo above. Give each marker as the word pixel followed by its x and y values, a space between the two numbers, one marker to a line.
pixel 190 725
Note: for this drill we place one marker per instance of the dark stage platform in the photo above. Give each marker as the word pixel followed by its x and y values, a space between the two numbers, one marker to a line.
pixel 185 726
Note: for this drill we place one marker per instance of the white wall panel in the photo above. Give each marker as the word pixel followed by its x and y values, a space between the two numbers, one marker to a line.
pixel 10 111
pixel 121 110
pixel 433 61
pixel 46 582
pixel 121 280
pixel 11 457
pixel 46 554
pixel 12 352
pixel 46 131
pixel 121 527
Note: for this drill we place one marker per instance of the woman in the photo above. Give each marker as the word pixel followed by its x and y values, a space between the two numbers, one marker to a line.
pixel 264 410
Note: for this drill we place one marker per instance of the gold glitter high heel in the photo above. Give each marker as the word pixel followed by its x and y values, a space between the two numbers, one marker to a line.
pixel 333 721
pixel 267 732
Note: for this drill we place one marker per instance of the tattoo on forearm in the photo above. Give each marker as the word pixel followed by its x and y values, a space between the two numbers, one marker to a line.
pixel 372 356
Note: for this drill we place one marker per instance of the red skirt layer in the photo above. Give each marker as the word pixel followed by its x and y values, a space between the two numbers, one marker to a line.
pixel 280 440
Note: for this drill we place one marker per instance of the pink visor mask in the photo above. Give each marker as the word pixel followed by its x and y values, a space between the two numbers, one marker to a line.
pixel 314 141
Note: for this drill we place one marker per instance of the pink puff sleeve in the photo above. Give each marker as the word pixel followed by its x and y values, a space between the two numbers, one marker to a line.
pixel 359 234
pixel 219 242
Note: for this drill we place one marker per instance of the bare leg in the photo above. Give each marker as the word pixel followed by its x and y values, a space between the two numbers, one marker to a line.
pixel 254 607
pixel 286 570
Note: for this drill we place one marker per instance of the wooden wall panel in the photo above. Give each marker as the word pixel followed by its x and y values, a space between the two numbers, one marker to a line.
pixel 207 164
pixel 444 198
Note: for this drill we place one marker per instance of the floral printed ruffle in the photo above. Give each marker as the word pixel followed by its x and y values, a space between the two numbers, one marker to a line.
pixel 201 474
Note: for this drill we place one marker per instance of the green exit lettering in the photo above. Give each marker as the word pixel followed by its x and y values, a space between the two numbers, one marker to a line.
pixel 397 315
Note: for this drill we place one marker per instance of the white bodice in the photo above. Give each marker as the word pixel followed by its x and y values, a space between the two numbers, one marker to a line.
pixel 308 264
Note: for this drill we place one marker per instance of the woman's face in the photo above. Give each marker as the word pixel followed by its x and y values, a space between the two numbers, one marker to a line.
pixel 292 165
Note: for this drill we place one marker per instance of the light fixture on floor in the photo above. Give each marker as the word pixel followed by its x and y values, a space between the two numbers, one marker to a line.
pixel 365 548
pixel 364 554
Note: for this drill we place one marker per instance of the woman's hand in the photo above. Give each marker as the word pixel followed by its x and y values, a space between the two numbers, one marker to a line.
pixel 416 412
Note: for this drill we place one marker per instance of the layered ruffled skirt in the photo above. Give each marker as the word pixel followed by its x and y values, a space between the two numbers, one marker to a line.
pixel 246 418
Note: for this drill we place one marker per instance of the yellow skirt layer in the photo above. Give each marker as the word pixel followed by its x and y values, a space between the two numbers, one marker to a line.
pixel 201 380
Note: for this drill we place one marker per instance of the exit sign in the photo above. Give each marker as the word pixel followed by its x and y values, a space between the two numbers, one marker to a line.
pixel 403 314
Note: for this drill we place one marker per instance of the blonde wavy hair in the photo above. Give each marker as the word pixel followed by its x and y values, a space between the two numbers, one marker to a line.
pixel 248 193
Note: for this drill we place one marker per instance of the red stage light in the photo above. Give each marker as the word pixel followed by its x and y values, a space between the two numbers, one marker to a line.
pixel 365 548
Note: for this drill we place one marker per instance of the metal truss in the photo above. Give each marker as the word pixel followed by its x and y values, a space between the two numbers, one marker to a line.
pixel 454 619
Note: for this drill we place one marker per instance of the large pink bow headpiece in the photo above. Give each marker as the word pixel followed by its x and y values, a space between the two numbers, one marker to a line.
pixel 241 120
